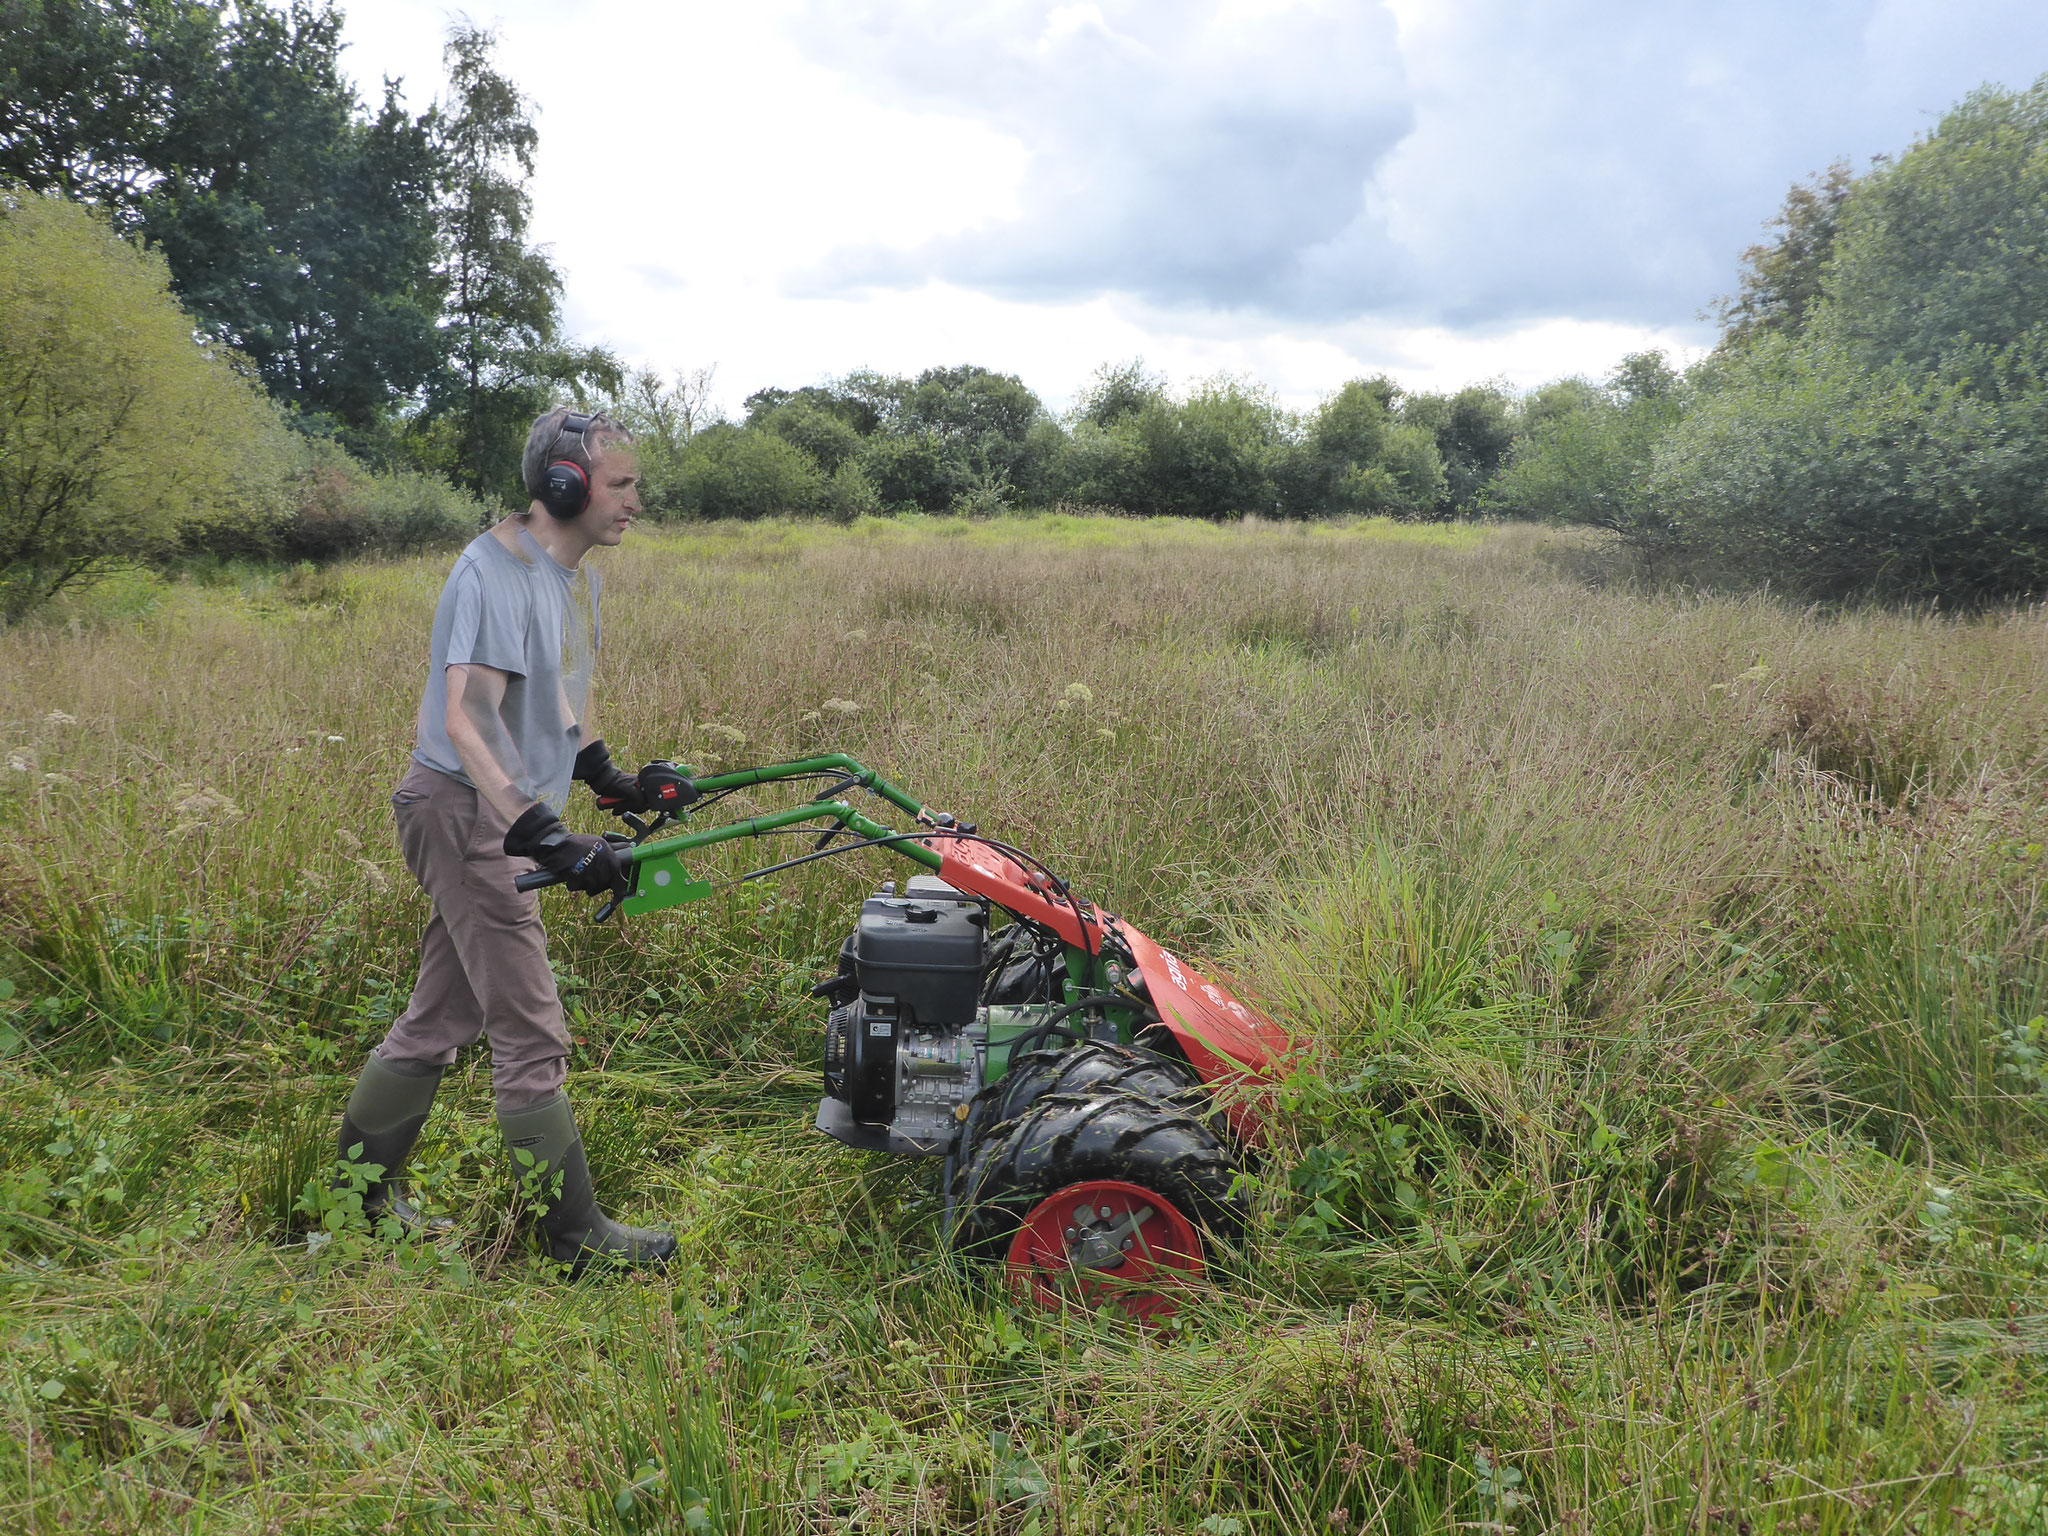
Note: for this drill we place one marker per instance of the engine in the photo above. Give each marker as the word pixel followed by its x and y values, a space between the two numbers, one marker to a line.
pixel 906 1042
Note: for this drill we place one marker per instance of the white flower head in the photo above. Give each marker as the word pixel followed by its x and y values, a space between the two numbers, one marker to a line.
pixel 724 733
pixel 1080 693
pixel 58 717
pixel 841 707
pixel 207 805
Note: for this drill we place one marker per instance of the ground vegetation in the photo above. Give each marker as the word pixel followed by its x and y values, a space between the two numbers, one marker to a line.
pixel 1669 1156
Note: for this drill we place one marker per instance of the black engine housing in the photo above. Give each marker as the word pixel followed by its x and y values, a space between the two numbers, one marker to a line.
pixel 915 964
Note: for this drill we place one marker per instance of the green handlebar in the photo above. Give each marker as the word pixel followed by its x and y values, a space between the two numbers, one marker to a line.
pixel 774 821
pixel 661 880
pixel 835 762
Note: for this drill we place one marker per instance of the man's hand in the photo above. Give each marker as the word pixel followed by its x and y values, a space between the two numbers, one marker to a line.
pixel 616 790
pixel 582 862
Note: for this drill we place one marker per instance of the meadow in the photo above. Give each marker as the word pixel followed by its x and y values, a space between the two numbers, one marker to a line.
pixel 1669 1156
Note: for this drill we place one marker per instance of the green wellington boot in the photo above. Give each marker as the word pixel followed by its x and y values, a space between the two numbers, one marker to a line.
pixel 384 1116
pixel 578 1233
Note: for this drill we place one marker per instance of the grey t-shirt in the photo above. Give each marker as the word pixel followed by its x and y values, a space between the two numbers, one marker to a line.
pixel 530 616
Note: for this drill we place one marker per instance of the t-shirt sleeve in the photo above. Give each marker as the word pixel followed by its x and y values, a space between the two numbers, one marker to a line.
pixel 596 612
pixel 483 629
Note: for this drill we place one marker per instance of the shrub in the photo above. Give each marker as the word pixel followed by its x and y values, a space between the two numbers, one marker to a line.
pixel 1473 430
pixel 350 512
pixel 1356 458
pixel 1221 452
pixel 123 434
pixel 913 472
pixel 1898 445
pixel 1834 480
pixel 851 494
pixel 1587 451
pixel 825 436
pixel 328 506
pixel 726 471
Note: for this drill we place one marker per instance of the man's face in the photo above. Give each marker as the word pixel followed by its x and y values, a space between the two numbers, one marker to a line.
pixel 614 495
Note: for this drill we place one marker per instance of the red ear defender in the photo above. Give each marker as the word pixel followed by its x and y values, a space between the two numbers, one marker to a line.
pixel 565 489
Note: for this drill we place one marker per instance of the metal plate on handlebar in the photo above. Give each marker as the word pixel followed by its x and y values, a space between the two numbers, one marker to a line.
pixel 662 882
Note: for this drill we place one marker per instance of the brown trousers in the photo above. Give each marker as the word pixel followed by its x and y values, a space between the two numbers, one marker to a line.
pixel 484 957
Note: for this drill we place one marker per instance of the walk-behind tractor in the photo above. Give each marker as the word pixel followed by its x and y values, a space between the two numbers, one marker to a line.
pixel 1094 1096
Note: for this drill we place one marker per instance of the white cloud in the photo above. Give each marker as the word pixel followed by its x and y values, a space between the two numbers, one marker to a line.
pixel 1304 190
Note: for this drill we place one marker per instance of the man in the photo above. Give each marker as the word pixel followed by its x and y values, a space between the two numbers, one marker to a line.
pixel 504 727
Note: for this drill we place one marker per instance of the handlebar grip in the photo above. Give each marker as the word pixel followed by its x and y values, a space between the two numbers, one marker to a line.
pixel 536 880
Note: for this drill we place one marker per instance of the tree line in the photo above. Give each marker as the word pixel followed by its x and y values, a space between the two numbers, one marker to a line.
pixel 971 440
pixel 195 206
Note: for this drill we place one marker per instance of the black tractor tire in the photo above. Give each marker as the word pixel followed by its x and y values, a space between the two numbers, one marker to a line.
pixel 1092 1067
pixel 1068 1138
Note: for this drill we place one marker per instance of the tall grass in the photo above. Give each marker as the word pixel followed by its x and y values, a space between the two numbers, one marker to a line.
pixel 1668 1153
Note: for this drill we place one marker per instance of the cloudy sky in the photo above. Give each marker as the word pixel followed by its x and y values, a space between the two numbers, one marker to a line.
pixel 1301 190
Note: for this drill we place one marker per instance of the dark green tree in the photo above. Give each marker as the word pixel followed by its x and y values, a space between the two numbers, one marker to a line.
pixel 1473 430
pixel 1118 390
pixel 96 98
pixel 1360 457
pixel 820 432
pixel 1781 279
pixel 507 356
pixel 298 228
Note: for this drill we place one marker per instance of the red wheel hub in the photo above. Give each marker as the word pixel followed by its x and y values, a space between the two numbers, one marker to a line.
pixel 1105 1242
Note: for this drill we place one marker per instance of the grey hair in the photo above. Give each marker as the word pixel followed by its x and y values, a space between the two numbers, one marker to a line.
pixel 546 443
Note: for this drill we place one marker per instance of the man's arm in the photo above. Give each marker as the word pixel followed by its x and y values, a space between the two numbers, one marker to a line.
pixel 477 732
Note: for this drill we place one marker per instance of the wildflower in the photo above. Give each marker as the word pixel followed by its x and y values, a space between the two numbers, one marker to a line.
pixel 840 707
pixel 1080 693
pixel 58 717
pixel 724 732
pixel 19 763
pixel 810 715
pixel 348 840
pixel 1106 735
pixel 855 636
pixel 376 876
pixel 207 804
pixel 337 738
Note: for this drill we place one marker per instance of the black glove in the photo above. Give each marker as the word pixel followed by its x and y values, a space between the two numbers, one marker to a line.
pixel 582 862
pixel 616 790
